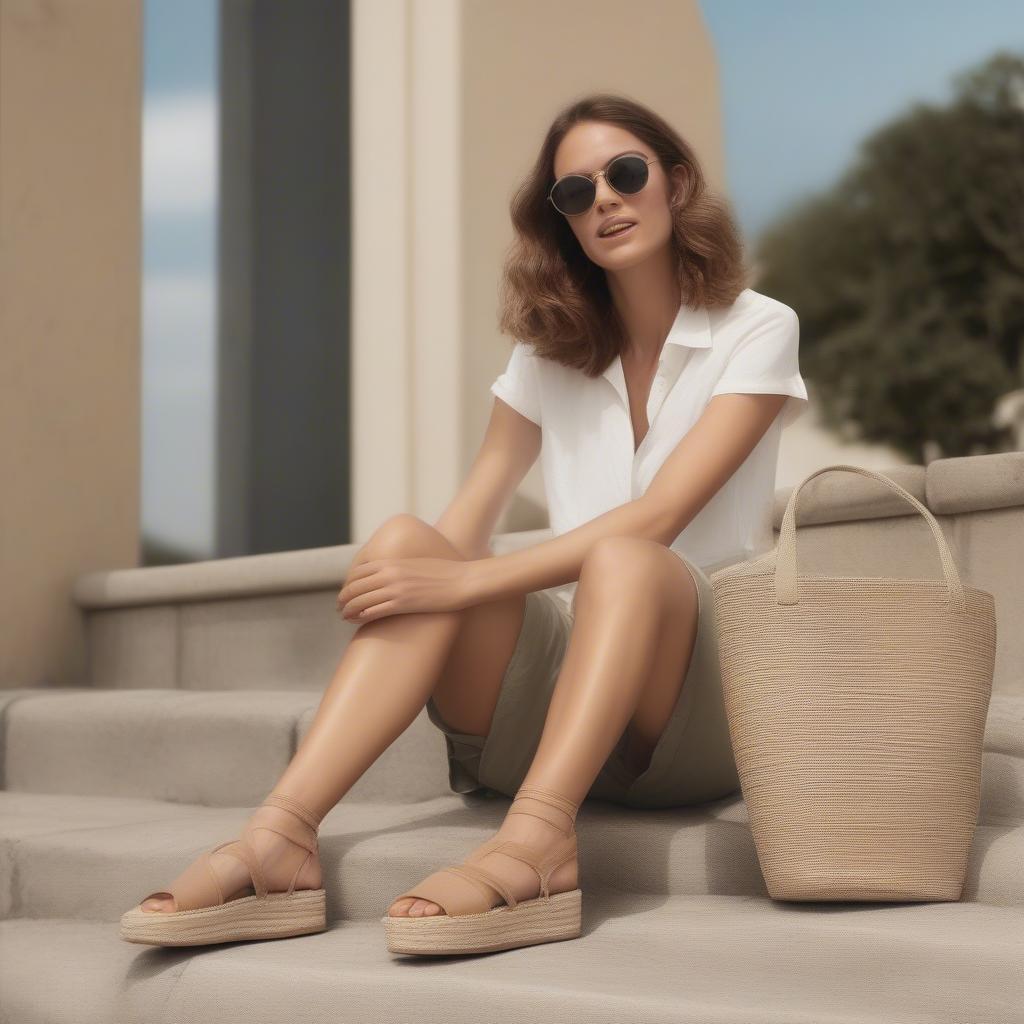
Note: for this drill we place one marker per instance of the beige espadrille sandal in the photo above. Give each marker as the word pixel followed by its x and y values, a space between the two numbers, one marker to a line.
pixel 470 924
pixel 203 917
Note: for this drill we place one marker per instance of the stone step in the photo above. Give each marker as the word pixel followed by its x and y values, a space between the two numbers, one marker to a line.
pixel 716 959
pixel 217 748
pixel 228 748
pixel 95 857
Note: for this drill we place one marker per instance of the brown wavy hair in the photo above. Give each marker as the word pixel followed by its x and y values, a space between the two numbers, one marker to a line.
pixel 554 297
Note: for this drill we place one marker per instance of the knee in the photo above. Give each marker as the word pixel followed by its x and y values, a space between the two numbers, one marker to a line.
pixel 621 567
pixel 406 535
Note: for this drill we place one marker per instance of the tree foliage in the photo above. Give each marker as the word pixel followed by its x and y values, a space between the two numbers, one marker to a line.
pixel 908 275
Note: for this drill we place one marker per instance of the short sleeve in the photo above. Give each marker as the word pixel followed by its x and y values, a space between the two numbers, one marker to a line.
pixel 519 385
pixel 766 362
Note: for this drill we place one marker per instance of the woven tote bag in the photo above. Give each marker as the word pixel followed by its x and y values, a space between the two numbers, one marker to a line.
pixel 856 710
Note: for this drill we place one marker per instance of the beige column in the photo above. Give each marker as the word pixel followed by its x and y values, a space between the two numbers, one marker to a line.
pixel 70 207
pixel 407 226
pixel 451 100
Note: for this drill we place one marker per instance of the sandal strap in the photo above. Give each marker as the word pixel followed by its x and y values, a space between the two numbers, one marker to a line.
pixel 449 890
pixel 488 878
pixel 439 888
pixel 213 875
pixel 199 886
pixel 243 851
pixel 300 810
pixel 307 844
pixel 548 795
pixel 546 798
pixel 298 871
pixel 300 829
pixel 544 866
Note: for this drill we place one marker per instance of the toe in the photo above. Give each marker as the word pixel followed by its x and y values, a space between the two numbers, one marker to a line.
pixel 158 904
pixel 424 908
pixel 411 906
pixel 400 908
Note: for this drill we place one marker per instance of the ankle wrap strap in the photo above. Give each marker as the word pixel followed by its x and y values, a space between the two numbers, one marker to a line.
pixel 288 803
pixel 547 796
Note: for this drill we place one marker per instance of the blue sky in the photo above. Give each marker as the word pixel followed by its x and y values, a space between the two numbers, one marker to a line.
pixel 180 168
pixel 803 81
pixel 181 44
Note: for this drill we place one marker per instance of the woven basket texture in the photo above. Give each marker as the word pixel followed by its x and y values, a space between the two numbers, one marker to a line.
pixel 856 709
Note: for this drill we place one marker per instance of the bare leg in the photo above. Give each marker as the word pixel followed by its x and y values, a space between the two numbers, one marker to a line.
pixel 387 672
pixel 636 625
pixel 633 636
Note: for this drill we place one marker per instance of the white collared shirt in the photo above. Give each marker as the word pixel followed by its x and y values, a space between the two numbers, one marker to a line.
pixel 587 457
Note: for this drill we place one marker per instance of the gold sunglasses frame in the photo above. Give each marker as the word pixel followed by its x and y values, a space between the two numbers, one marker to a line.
pixel 593 178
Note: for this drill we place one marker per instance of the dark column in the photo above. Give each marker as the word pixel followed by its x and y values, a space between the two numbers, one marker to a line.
pixel 283 364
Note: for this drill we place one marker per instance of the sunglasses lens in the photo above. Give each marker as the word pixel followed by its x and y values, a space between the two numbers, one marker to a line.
pixel 573 194
pixel 627 174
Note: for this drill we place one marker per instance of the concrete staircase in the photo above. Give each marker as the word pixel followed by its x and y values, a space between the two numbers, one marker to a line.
pixel 203 679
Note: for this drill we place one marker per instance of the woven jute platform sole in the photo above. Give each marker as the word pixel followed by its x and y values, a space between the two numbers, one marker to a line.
pixel 532 921
pixel 277 915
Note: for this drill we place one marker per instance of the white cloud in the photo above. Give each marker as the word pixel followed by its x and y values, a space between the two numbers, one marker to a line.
pixel 179 395
pixel 179 312
pixel 180 153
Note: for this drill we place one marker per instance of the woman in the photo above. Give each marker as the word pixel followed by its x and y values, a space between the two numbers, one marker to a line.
pixel 586 664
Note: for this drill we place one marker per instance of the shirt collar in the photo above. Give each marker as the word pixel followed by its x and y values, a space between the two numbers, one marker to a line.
pixel 690 329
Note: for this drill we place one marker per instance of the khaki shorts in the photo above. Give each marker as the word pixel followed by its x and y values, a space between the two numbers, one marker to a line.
pixel 692 762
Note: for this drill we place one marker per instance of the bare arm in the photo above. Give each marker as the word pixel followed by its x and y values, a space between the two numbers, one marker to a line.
pixel 711 451
pixel 510 447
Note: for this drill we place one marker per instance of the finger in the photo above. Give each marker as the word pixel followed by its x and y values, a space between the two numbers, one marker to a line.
pixel 377 611
pixel 356 588
pixel 356 572
pixel 357 614
pixel 361 558
pixel 361 602
pixel 351 609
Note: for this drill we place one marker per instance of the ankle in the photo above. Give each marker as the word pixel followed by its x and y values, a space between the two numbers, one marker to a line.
pixel 275 824
pixel 296 808
pixel 531 831
pixel 542 803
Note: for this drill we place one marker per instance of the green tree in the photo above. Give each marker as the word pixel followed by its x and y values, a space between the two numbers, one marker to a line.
pixel 908 275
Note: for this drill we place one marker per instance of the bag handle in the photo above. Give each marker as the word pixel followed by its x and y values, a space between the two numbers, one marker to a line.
pixel 785 555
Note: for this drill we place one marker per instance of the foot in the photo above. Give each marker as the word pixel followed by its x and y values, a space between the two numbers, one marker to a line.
pixel 278 856
pixel 540 836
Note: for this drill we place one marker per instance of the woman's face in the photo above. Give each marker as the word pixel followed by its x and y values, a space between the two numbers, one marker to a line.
pixel 587 148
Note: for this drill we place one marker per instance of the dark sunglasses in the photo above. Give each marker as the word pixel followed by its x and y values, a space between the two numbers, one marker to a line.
pixel 574 194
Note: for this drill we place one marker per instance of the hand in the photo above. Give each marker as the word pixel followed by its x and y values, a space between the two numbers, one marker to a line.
pixel 394 586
